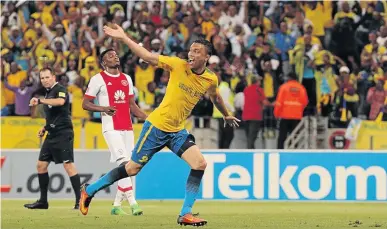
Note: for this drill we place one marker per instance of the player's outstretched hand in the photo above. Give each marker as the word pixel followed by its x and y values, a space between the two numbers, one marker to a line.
pixel 114 31
pixel 231 121
pixel 110 110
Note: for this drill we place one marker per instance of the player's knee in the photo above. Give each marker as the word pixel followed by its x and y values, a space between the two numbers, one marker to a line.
pixel 42 167
pixel 200 164
pixel 132 169
pixel 70 168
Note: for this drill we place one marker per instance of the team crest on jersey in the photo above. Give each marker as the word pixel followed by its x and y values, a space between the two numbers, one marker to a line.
pixel 124 82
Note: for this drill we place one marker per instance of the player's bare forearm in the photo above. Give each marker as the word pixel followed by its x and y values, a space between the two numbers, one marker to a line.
pixel 53 102
pixel 137 111
pixel 90 106
pixel 141 52
pixel 218 102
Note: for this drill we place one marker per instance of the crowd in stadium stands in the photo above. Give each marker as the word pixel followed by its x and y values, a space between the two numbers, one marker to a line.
pixel 337 50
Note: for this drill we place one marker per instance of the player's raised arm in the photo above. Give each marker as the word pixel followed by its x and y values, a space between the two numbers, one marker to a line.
pixel 117 32
pixel 219 104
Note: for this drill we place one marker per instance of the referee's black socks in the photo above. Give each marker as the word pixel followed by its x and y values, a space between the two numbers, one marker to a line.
pixel 43 184
pixel 76 183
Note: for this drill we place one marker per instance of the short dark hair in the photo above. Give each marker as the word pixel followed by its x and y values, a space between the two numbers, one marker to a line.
pixel 103 54
pixel 206 44
pixel 292 75
pixel 46 69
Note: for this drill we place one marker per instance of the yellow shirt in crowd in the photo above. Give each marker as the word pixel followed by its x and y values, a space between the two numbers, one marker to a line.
pixel 76 106
pixel 380 51
pixel 143 77
pixel 320 16
pixel 268 85
pixel 184 31
pixel 207 27
pixel 314 41
pixel 3 99
pixel 14 80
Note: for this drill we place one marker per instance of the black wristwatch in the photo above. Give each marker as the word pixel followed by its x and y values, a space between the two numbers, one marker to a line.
pixel 38 101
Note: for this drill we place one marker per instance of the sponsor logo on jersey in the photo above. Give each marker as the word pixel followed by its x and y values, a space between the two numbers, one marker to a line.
pixel 109 84
pixel 119 97
pixel 191 91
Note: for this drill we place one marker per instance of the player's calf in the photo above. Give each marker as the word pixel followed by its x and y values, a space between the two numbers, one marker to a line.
pixel 44 180
pixel 198 164
pixel 75 181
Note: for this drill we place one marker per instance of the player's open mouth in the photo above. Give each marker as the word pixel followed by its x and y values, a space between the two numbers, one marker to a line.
pixel 190 61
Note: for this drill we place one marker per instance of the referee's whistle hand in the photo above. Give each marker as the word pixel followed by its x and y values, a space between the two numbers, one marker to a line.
pixel 34 102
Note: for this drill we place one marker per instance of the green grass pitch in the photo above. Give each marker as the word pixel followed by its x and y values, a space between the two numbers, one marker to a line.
pixel 220 215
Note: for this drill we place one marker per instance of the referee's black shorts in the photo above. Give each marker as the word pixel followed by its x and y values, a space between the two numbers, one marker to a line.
pixel 58 147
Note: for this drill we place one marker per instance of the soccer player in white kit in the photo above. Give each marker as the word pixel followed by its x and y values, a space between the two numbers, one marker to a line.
pixel 114 92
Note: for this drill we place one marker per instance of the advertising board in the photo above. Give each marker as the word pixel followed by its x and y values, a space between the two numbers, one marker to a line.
pixel 237 175
pixel 19 177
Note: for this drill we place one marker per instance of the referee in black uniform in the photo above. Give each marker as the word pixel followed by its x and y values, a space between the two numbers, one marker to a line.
pixel 59 143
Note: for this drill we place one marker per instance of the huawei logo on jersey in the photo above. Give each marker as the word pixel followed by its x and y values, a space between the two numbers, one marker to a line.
pixel 119 97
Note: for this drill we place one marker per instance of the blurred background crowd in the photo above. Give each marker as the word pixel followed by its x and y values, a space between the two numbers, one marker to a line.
pixel 337 50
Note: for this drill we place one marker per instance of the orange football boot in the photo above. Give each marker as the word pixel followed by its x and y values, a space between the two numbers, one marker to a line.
pixel 191 220
pixel 85 200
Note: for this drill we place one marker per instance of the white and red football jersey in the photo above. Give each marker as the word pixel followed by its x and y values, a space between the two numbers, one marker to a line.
pixel 115 91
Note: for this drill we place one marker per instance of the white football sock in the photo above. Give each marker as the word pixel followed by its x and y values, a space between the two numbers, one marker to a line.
pixel 119 198
pixel 125 186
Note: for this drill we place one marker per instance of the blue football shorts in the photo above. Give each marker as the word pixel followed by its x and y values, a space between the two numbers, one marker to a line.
pixel 152 140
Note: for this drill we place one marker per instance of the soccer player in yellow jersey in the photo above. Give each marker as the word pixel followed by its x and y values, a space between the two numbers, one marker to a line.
pixel 189 81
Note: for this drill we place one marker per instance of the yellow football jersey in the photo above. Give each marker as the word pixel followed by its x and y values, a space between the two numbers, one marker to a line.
pixel 184 91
